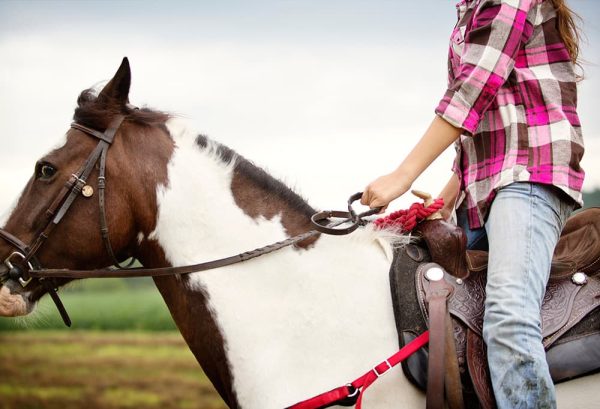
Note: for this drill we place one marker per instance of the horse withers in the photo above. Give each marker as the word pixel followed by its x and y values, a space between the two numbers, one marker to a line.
pixel 269 332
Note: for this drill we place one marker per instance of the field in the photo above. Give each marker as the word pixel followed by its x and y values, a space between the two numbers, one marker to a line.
pixel 101 304
pixel 93 370
pixel 123 351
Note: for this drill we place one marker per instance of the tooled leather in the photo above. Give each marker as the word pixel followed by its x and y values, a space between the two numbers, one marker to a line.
pixel 558 300
pixel 564 305
pixel 470 294
pixel 479 371
pixel 586 300
pixel 467 304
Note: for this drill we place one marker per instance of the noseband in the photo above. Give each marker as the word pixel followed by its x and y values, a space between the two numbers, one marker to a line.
pixel 22 264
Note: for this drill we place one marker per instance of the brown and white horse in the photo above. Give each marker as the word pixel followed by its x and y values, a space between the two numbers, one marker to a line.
pixel 268 332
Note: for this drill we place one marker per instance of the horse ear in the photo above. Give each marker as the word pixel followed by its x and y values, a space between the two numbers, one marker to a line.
pixel 117 89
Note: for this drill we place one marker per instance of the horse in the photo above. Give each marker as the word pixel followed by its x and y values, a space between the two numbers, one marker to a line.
pixel 268 332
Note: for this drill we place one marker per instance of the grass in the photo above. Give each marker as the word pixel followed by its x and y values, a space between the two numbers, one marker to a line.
pixel 106 304
pixel 101 370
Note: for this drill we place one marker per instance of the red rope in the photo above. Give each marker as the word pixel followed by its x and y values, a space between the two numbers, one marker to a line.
pixel 406 220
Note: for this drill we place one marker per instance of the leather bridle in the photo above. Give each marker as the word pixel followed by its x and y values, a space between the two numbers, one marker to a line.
pixel 24 268
pixel 22 264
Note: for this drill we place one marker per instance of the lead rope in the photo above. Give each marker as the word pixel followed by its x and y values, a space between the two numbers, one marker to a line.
pixel 404 221
pixel 352 393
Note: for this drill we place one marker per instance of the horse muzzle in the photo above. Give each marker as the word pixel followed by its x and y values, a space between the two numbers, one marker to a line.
pixel 12 302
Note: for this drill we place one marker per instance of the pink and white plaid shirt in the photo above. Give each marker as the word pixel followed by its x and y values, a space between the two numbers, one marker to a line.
pixel 512 89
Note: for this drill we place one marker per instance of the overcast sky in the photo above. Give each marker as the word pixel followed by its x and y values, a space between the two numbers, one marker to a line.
pixel 325 95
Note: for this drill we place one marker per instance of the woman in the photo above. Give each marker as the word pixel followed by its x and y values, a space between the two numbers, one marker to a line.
pixel 510 109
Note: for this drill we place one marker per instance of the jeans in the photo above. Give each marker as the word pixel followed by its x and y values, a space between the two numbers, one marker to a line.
pixel 522 229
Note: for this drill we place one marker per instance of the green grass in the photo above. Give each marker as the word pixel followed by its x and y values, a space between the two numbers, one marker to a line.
pixel 109 305
pixel 101 370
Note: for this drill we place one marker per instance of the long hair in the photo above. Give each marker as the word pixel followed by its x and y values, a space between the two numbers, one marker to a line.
pixel 568 29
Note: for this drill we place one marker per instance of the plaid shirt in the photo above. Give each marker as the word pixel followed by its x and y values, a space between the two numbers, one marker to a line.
pixel 512 89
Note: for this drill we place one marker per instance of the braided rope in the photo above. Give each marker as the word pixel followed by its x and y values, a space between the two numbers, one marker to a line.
pixel 406 220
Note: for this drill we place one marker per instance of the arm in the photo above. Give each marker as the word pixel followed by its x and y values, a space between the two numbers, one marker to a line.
pixel 497 32
pixel 499 28
pixel 449 193
pixel 436 139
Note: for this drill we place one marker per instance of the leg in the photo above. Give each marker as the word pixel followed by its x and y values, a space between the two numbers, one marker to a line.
pixel 523 228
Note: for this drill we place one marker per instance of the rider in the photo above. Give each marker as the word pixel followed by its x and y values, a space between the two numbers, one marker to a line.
pixel 510 109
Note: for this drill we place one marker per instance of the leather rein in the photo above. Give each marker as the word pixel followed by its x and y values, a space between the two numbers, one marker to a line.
pixel 22 264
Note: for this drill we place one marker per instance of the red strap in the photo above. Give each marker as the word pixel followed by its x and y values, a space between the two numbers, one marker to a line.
pixel 366 380
pixel 324 399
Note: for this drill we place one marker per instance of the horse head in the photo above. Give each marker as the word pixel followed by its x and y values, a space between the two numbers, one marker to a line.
pixel 56 222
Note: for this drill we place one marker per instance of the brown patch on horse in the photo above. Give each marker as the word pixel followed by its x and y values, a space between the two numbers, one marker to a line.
pixel 188 308
pixel 259 194
pixel 257 201
pixel 190 311
pixel 199 329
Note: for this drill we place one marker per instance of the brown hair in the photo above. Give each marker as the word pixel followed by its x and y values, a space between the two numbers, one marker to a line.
pixel 568 29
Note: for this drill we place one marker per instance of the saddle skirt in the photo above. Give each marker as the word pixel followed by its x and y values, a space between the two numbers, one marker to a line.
pixel 570 319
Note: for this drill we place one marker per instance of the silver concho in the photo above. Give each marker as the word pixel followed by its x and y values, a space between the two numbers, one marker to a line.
pixel 434 274
pixel 579 278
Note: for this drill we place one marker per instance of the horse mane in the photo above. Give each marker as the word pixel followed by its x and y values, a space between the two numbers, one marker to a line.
pixel 96 114
pixel 259 176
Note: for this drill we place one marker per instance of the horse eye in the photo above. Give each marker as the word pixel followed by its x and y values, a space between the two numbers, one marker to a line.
pixel 45 171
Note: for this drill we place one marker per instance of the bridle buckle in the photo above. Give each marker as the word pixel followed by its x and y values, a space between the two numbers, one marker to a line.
pixel 16 272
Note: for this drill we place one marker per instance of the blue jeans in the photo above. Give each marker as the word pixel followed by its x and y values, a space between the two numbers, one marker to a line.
pixel 522 229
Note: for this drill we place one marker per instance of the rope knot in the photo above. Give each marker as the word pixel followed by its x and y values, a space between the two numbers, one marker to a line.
pixel 404 221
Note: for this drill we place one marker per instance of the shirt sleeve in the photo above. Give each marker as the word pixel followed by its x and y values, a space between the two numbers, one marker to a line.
pixel 497 31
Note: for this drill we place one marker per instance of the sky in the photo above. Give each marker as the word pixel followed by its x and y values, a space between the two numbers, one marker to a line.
pixel 325 95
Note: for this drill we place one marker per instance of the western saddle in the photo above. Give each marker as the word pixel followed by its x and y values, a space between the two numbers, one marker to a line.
pixel 437 283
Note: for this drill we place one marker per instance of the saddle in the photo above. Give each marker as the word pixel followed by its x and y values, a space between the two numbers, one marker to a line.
pixel 570 313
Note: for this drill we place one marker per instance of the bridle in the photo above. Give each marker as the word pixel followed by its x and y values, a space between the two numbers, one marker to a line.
pixel 22 264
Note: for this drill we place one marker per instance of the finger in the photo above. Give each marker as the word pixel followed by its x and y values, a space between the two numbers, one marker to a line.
pixel 366 197
pixel 383 209
pixel 377 201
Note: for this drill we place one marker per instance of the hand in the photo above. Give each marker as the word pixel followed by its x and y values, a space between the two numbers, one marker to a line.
pixel 384 189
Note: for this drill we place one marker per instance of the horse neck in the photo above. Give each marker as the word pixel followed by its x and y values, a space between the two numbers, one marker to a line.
pixel 249 324
pixel 214 204
pixel 215 196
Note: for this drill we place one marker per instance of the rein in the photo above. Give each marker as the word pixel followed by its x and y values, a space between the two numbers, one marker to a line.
pixel 22 264
pixel 350 216
pixel 222 262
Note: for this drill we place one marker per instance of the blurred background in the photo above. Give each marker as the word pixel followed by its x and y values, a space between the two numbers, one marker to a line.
pixel 326 95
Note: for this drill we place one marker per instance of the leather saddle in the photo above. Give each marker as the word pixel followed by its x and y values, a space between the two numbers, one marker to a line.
pixel 570 313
